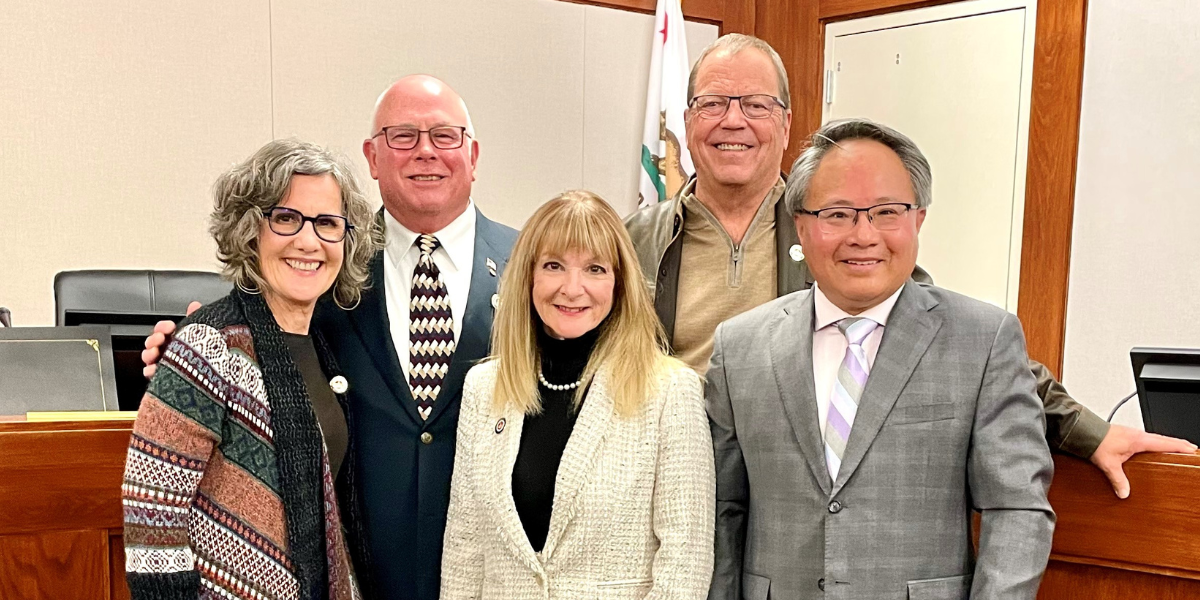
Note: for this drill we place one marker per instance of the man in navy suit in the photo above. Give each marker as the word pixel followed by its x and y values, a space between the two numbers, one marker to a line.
pixel 423 153
pixel 406 348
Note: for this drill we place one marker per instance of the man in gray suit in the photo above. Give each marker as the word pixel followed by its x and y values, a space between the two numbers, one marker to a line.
pixel 906 406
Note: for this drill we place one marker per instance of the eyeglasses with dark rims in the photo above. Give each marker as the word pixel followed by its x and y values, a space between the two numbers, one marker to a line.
pixel 289 221
pixel 754 106
pixel 403 137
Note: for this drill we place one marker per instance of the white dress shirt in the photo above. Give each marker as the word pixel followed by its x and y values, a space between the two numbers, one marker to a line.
pixel 829 344
pixel 454 258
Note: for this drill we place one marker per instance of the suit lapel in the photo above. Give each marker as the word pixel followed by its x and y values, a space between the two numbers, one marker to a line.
pixel 911 328
pixel 475 335
pixel 792 363
pixel 371 323
pixel 576 468
pixel 498 459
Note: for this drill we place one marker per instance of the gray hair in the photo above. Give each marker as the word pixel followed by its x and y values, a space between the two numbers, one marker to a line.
pixel 732 43
pixel 242 194
pixel 834 132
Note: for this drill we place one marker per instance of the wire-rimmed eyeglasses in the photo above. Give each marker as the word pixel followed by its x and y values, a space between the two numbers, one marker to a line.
pixel 838 219
pixel 754 106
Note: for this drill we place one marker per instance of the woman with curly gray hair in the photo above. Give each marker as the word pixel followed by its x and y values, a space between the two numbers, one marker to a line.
pixel 229 479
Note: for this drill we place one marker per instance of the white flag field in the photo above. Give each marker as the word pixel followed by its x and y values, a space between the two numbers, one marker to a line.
pixel 666 164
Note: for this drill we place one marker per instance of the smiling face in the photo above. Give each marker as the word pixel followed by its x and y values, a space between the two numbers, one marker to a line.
pixel 572 293
pixel 733 151
pixel 299 268
pixel 861 267
pixel 426 187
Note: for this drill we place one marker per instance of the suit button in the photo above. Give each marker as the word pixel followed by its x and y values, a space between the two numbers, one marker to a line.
pixel 835 507
pixel 821 583
pixel 427 438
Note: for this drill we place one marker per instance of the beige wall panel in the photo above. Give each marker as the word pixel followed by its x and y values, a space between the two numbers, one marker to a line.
pixel 517 63
pixel 617 66
pixel 1134 275
pixel 117 117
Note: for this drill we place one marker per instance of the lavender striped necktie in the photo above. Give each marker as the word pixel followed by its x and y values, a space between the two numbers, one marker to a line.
pixel 851 379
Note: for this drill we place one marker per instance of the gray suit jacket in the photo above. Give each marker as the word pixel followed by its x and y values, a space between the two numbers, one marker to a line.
pixel 948 422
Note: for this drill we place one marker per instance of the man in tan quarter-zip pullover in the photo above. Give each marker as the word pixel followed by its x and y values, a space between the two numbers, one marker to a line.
pixel 705 297
pixel 738 122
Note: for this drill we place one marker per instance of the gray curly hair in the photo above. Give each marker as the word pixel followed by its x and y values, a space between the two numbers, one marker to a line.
pixel 242 194
pixel 833 133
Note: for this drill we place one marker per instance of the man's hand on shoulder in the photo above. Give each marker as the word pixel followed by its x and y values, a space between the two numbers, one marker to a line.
pixel 154 344
pixel 1123 442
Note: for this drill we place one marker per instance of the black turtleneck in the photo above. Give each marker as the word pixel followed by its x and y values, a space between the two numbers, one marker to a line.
pixel 545 435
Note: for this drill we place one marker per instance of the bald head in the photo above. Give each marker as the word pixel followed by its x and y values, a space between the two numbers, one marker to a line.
pixel 419 89
pixel 427 185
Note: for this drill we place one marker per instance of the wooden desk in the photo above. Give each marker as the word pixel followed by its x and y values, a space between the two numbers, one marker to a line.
pixel 60 520
pixel 1146 546
pixel 60 509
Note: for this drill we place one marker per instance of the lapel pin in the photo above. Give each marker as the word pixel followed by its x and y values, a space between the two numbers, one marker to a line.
pixel 796 252
pixel 339 385
pixel 495 300
pixel 500 425
pixel 491 267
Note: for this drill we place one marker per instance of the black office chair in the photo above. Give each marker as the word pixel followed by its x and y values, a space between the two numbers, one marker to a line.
pixel 133 292
pixel 130 302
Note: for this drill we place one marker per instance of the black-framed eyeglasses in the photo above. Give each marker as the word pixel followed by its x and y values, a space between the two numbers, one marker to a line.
pixel 754 106
pixel 839 219
pixel 445 137
pixel 289 221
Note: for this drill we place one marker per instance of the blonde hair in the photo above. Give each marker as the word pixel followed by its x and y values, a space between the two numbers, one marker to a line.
pixel 631 345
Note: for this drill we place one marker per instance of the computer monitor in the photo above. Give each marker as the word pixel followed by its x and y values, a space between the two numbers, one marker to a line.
pixel 1168 387
pixel 128 331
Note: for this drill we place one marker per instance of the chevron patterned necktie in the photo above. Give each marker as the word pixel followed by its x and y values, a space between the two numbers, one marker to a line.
pixel 851 379
pixel 430 329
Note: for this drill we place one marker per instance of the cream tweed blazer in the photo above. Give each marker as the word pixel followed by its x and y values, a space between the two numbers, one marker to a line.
pixel 633 508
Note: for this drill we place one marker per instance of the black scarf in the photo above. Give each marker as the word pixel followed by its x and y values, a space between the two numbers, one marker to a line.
pixel 298 446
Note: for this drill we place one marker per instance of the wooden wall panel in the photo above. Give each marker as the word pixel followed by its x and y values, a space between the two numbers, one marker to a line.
pixel 851 9
pixel 794 29
pixel 57 564
pixel 1050 177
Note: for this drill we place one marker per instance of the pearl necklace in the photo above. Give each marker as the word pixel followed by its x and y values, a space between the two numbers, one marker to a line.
pixel 558 388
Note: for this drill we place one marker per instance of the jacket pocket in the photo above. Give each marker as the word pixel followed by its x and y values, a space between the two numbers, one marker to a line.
pixel 942 588
pixel 755 587
pixel 921 413
pixel 621 584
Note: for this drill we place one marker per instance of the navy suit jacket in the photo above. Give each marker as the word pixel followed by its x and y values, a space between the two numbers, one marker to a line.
pixel 397 489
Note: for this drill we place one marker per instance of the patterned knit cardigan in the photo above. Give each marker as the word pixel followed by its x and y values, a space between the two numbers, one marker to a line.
pixel 227 491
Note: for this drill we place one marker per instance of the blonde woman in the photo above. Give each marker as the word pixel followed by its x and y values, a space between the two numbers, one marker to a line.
pixel 584 465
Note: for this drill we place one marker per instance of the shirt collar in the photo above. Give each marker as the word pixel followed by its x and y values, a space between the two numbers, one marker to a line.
pixel 456 238
pixel 827 313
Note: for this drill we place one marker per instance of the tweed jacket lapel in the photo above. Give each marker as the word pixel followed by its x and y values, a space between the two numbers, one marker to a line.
pixel 791 361
pixel 575 470
pixel 499 457
pixel 910 329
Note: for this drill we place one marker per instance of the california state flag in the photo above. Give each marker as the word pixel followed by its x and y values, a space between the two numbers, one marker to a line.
pixel 666 164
